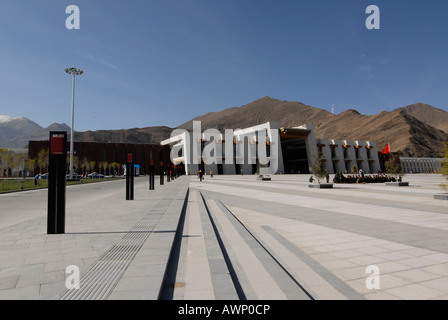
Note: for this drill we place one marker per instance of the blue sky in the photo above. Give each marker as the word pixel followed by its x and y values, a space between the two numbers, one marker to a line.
pixel 164 62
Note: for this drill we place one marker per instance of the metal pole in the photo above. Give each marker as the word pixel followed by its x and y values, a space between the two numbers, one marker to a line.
pixel 74 72
pixel 71 129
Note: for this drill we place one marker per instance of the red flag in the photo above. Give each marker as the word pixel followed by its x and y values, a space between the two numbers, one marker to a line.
pixel 386 150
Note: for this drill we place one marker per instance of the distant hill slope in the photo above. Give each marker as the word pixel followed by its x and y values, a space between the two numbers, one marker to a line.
pixel 415 130
pixel 15 132
pixel 12 127
pixel 286 113
pixel 406 134
pixel 427 114
pixel 21 141
pixel 418 130
pixel 151 135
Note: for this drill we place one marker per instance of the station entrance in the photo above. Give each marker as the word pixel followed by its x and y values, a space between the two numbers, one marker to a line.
pixel 294 151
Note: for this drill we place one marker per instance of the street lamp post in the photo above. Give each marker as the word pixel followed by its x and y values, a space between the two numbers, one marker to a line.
pixel 74 72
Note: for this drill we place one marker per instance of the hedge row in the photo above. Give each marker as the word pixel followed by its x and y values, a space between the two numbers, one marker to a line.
pixel 379 178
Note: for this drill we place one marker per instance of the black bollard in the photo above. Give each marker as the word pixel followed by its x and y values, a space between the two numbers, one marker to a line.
pixel 151 174
pixel 56 182
pixel 131 194
pixel 161 173
pixel 130 177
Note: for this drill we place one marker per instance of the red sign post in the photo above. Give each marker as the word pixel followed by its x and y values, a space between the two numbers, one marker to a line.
pixel 56 182
pixel 151 172
pixel 130 176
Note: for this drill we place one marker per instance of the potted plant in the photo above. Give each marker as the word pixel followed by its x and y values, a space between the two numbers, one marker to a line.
pixel 394 168
pixel 443 185
pixel 320 173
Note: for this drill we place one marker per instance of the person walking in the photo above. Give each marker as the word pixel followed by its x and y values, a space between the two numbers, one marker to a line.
pixel 211 173
pixel 200 175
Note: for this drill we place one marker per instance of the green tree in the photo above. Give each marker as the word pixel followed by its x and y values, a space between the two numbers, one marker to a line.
pixel 8 160
pixel 42 159
pixel 75 164
pixel 3 153
pixel 85 165
pixel 19 163
pixel 445 167
pixel 30 165
pixel 319 170
pixel 92 165
pixel 114 166
pixel 393 166
pixel 105 166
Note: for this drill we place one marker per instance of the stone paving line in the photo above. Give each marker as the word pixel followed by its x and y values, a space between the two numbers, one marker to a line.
pixel 408 269
pixel 198 279
pixel 145 276
pixel 325 242
pixel 33 264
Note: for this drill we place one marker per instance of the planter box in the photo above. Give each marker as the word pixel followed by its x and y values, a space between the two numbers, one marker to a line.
pixel 398 184
pixel 321 186
pixel 441 196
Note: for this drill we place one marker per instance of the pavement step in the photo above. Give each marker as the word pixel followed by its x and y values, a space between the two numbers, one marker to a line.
pixel 107 276
pixel 262 275
pixel 225 261
pixel 148 274
pixel 205 274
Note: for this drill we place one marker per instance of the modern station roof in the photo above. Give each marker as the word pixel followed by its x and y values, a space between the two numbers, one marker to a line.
pixel 293 133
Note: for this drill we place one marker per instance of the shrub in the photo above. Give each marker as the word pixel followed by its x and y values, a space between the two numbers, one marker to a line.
pixel 393 166
pixel 319 170
pixel 379 178
pixel 445 167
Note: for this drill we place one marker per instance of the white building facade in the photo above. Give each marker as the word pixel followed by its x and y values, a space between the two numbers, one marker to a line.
pixel 421 165
pixel 275 150
pixel 349 155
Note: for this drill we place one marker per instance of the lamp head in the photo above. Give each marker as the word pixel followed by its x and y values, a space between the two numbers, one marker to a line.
pixel 74 71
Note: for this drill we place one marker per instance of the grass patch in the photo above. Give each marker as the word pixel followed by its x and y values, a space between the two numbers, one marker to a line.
pixel 8 185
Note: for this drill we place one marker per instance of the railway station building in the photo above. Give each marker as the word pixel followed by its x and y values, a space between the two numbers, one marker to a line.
pixel 267 146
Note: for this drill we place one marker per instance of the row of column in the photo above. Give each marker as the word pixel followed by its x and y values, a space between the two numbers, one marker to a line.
pixel 345 155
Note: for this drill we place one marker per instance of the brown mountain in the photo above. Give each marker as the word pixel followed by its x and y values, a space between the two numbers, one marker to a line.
pixel 436 118
pixel 286 113
pixel 135 135
pixel 417 130
pixel 411 131
pixel 407 135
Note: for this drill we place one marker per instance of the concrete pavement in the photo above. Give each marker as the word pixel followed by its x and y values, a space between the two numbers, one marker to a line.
pixel 33 264
pixel 229 238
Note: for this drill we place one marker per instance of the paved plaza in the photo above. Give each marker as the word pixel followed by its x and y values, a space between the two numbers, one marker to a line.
pixel 229 238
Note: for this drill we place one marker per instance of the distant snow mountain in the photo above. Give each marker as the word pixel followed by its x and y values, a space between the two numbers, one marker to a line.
pixel 8 118
pixel 15 132
pixel 19 125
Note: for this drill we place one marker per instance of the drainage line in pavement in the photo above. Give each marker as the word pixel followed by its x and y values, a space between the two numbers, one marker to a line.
pixel 233 275
pixel 270 254
pixel 169 279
